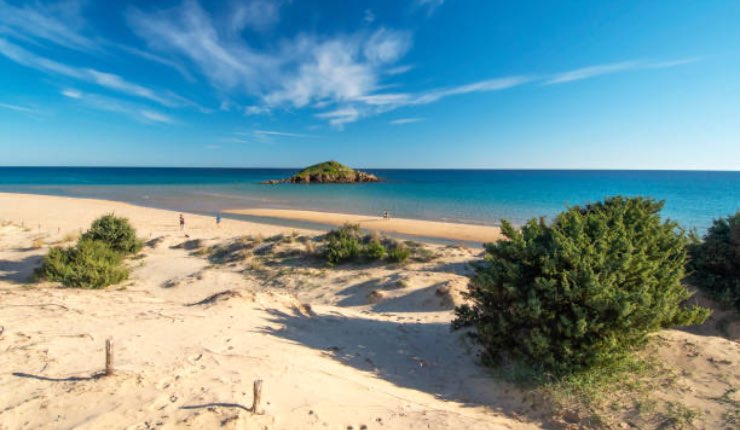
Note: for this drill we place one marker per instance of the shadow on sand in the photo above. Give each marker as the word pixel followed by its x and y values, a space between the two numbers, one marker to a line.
pixel 19 271
pixel 92 377
pixel 216 405
pixel 420 356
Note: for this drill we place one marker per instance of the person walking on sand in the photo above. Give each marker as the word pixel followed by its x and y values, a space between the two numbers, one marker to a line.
pixel 218 219
pixel 182 222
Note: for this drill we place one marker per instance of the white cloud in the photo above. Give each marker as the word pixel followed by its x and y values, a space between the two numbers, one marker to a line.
pixel 18 108
pixel 109 104
pixel 401 121
pixel 279 133
pixel 59 24
pixel 156 116
pixel 258 15
pixel 384 102
pixel 431 5
pixel 102 79
pixel 72 93
pixel 606 69
pixel 339 117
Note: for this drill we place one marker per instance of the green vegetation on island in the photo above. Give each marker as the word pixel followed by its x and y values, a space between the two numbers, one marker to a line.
pixel 328 172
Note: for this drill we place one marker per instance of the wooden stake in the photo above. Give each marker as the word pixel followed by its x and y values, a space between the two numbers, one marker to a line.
pixel 108 357
pixel 257 397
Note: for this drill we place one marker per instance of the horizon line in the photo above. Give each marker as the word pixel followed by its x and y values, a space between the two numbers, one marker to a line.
pixel 585 169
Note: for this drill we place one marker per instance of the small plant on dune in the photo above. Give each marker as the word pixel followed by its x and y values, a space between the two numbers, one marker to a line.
pixel 310 248
pixel 374 249
pixel 89 264
pixel 116 232
pixel 398 252
pixel 343 244
pixel 37 243
pixel 715 261
pixel 583 291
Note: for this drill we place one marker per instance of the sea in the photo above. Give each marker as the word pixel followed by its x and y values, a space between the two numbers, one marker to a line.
pixel 692 198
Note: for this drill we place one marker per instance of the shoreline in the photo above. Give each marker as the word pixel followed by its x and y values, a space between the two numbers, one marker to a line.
pixel 421 229
pixel 405 226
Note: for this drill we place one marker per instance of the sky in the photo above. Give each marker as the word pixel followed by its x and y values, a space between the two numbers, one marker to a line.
pixel 566 84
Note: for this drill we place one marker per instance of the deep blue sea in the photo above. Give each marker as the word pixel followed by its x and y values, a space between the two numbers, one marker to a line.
pixel 693 198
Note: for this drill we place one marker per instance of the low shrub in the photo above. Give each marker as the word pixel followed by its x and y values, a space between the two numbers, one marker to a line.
pixel 714 263
pixel 584 290
pixel 89 264
pixel 398 252
pixel 343 244
pixel 116 232
pixel 375 250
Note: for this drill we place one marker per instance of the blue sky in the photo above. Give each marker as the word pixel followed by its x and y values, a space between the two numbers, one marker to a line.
pixel 387 83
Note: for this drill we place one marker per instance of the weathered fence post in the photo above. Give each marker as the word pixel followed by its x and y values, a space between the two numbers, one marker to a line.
pixel 108 357
pixel 257 397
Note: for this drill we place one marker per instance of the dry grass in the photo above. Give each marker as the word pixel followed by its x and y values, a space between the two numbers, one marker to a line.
pixel 37 243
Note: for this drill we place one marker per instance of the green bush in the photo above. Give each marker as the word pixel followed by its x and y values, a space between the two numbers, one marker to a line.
pixel 375 250
pixel 715 262
pixel 89 264
pixel 398 252
pixel 582 291
pixel 116 232
pixel 343 244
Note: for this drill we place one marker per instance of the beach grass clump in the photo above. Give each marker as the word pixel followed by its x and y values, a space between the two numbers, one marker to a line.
pixel 96 260
pixel 349 244
pixel 344 244
pixel 583 291
pixel 398 252
pixel 117 232
pixel 374 249
pixel 89 264
pixel 714 263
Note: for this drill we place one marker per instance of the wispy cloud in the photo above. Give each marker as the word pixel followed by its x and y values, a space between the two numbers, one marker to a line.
pixel 374 104
pixel 339 117
pixel 297 73
pixel 19 108
pixel 102 79
pixel 401 121
pixel 610 68
pixel 430 5
pixel 279 133
pixel 58 24
pixel 109 104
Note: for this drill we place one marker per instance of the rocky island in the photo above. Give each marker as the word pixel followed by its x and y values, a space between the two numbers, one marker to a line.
pixel 328 172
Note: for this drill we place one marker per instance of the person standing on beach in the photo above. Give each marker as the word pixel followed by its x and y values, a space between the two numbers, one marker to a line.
pixel 182 222
pixel 218 219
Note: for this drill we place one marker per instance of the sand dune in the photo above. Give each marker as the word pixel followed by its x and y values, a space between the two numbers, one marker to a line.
pixel 431 229
pixel 354 346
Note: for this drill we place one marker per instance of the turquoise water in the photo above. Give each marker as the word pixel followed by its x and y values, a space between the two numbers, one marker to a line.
pixel 693 198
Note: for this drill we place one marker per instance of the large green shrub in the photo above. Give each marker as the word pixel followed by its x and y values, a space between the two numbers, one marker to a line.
pixel 89 264
pixel 343 244
pixel 116 232
pixel 582 291
pixel 715 262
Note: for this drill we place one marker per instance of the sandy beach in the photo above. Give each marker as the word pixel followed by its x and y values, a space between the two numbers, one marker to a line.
pixel 430 229
pixel 345 347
